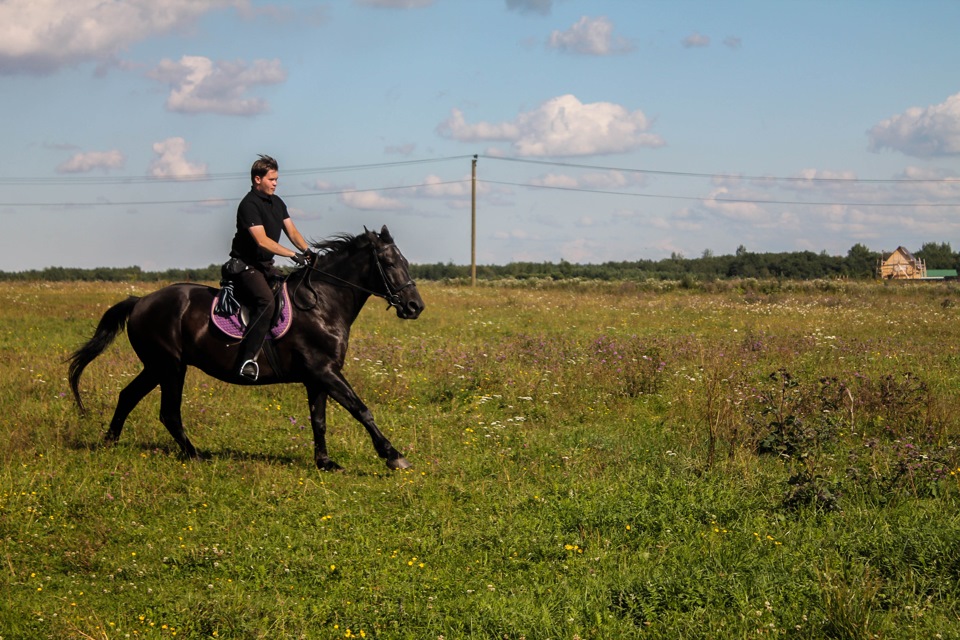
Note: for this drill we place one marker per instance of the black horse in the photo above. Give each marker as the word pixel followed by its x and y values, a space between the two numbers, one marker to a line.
pixel 171 329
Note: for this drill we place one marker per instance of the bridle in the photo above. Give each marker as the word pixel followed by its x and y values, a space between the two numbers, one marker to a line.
pixel 390 294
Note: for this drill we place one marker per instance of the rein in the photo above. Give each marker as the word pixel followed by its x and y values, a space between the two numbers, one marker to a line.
pixel 391 296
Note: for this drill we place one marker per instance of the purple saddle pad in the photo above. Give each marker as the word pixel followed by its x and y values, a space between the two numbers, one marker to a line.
pixel 234 325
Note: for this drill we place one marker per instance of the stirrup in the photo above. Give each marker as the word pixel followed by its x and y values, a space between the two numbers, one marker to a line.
pixel 250 370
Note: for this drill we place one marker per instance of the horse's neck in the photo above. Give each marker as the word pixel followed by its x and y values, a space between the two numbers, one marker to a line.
pixel 345 281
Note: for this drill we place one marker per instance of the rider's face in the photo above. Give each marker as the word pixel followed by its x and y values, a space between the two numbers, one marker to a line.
pixel 268 183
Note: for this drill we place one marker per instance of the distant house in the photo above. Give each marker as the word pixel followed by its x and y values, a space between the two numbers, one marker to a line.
pixel 902 265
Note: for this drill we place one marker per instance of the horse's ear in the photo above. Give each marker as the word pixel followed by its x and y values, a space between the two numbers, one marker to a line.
pixel 385 235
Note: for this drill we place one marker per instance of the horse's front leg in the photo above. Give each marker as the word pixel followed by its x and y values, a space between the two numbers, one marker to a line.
pixel 318 420
pixel 341 391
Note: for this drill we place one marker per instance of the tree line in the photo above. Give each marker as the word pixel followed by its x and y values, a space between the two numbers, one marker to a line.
pixel 859 263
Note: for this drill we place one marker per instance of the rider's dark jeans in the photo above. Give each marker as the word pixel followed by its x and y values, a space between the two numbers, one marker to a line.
pixel 254 292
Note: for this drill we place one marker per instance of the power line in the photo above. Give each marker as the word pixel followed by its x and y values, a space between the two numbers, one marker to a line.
pixel 300 172
pixel 209 201
pixel 728 200
pixel 722 176
pixel 208 177
pixel 212 177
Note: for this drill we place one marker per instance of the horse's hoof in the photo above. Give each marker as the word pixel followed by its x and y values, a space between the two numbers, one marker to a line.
pixel 328 465
pixel 397 464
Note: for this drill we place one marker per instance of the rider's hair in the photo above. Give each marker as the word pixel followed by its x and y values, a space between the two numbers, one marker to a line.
pixel 262 166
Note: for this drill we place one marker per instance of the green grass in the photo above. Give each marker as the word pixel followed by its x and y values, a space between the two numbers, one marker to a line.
pixel 586 465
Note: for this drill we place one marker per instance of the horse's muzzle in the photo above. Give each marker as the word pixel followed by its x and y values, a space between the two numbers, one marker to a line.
pixel 410 309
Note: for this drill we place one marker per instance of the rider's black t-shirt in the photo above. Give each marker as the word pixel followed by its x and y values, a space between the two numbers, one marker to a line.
pixel 255 209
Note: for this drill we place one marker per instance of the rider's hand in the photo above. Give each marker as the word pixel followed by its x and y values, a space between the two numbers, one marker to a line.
pixel 301 259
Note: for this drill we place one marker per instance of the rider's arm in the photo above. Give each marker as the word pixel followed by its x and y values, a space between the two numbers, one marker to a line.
pixel 264 242
pixel 294 234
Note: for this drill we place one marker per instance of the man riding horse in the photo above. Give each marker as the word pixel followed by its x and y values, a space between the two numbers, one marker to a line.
pixel 261 216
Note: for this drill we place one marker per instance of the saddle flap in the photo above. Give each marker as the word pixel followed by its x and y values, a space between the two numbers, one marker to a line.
pixel 233 325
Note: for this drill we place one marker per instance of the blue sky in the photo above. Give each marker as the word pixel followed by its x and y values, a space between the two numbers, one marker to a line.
pixel 605 129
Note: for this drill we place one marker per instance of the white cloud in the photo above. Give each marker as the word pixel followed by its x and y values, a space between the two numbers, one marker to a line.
pixel 612 180
pixel 561 126
pixel 751 212
pixel 515 234
pixel 921 132
pixel 91 160
pixel 530 6
pixel 406 149
pixel 917 185
pixel 210 205
pixel 42 36
pixel 370 201
pixel 435 187
pixel 732 42
pixel 584 222
pixel 686 219
pixel 934 185
pixel 696 40
pixel 200 85
pixel 323 185
pixel 283 14
pixel 456 127
pixel 394 4
pixel 171 163
pixel 556 180
pixel 594 180
pixel 848 211
pixel 590 36
pixel 581 251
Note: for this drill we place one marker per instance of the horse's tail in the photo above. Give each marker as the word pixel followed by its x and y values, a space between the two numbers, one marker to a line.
pixel 111 324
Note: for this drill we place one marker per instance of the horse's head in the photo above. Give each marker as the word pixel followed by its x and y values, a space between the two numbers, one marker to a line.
pixel 390 276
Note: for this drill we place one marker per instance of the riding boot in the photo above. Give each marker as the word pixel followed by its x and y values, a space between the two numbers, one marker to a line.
pixel 253 339
pixel 260 300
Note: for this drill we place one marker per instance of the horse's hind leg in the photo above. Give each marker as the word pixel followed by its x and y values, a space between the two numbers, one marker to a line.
pixel 171 397
pixel 318 420
pixel 131 395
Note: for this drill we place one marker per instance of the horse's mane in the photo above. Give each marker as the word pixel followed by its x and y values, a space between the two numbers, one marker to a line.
pixel 335 243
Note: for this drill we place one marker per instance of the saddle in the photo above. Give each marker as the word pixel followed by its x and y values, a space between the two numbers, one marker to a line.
pixel 232 319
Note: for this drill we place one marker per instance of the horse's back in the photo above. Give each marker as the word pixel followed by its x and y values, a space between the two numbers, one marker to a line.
pixel 164 318
pixel 174 300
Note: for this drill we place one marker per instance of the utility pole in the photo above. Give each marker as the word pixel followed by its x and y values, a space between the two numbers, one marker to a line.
pixel 473 222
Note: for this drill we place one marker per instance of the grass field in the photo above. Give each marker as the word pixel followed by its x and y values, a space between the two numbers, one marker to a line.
pixel 724 460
